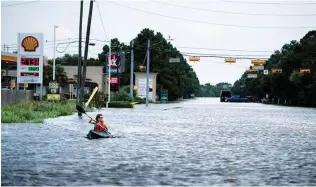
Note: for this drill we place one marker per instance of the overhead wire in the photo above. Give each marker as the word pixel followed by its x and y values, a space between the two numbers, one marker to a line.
pixel 273 3
pixel 106 36
pixel 235 65
pixel 235 13
pixel 213 23
pixel 20 3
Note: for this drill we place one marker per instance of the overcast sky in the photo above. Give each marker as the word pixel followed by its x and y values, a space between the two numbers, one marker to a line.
pixel 190 27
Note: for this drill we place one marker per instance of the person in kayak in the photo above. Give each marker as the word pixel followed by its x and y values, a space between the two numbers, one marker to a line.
pixel 99 124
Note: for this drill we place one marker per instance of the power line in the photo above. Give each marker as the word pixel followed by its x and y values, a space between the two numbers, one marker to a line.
pixel 214 49
pixel 235 65
pixel 238 13
pixel 273 3
pixel 19 4
pixel 142 47
pixel 106 36
pixel 212 23
pixel 219 54
pixel 223 56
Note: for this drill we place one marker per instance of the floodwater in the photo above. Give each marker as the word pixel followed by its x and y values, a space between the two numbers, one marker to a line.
pixel 200 142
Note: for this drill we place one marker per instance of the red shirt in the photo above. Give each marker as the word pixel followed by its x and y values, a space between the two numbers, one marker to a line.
pixel 98 126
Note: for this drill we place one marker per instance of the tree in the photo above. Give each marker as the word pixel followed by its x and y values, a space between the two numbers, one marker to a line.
pixel 60 77
pixel 291 84
pixel 180 79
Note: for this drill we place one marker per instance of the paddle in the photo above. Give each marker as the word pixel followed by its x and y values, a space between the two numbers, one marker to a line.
pixel 81 110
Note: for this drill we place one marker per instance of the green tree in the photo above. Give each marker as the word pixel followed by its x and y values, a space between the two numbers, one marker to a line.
pixel 60 77
pixel 291 84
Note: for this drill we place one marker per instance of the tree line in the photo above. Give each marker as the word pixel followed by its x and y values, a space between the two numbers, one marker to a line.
pixel 208 90
pixel 179 78
pixel 290 86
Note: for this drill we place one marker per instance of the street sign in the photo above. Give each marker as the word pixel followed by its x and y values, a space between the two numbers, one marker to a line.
pixel 266 72
pixel 163 96
pixel 251 76
pixel 174 59
pixel 258 67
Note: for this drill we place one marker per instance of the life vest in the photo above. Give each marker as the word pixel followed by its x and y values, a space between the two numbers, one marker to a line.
pixel 99 126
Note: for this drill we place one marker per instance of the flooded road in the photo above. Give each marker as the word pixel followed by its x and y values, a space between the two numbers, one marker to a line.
pixel 203 142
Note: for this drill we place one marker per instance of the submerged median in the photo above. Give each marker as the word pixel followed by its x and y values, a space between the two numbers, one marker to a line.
pixel 36 111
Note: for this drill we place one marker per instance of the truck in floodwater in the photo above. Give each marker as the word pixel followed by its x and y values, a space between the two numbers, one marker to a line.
pixel 225 94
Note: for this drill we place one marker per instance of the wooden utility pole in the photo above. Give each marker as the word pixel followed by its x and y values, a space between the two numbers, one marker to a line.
pixel 79 58
pixel 84 68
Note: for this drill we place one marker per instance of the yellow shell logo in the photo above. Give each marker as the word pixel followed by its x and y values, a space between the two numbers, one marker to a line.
pixel 30 43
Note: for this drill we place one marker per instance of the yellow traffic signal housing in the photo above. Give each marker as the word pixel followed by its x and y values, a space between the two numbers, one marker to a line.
pixel 142 68
pixel 194 59
pixel 230 60
pixel 258 62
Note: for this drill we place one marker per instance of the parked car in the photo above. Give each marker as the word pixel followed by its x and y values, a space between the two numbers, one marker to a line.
pixel 237 98
pixel 251 98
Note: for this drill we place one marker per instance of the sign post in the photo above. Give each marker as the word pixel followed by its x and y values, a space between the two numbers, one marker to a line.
pixel 30 59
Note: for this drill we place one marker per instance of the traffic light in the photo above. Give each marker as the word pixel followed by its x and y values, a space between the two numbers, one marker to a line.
pixel 276 71
pixel 142 68
pixel 194 59
pixel 303 71
pixel 150 89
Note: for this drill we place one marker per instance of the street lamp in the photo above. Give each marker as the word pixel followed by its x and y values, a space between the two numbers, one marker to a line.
pixel 55 27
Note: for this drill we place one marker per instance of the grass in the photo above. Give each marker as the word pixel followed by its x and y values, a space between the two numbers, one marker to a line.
pixel 36 111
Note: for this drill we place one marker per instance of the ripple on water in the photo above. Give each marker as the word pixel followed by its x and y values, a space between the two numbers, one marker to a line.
pixel 203 143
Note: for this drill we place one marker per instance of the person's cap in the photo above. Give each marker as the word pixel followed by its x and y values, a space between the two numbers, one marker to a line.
pixel 99 116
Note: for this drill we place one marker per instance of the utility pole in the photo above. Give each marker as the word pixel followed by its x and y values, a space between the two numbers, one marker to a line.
pixel 147 73
pixel 54 66
pixel 84 68
pixel 132 71
pixel 79 57
pixel 117 71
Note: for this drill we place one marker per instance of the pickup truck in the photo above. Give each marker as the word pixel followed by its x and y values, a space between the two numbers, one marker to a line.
pixel 237 99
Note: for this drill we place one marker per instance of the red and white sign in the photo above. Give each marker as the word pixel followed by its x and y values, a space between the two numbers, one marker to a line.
pixel 114 80
pixel 115 61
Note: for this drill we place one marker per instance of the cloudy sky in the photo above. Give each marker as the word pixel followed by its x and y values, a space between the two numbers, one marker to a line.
pixel 237 27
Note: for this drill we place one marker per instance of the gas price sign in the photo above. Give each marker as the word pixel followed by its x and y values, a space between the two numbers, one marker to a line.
pixel 30 69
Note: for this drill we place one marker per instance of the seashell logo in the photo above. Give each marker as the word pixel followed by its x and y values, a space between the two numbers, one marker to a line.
pixel 30 43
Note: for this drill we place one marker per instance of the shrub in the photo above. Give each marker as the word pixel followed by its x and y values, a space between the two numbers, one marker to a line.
pixel 120 104
pixel 121 96
pixel 140 100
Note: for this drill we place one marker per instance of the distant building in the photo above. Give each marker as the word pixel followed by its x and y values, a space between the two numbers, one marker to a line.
pixel 94 76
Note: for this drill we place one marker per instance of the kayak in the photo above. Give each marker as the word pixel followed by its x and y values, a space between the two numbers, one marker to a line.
pixel 97 134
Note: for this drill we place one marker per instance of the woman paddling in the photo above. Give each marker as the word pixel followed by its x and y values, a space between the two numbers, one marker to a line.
pixel 99 124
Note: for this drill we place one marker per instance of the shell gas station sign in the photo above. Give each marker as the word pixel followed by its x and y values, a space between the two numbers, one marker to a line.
pixel 30 58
